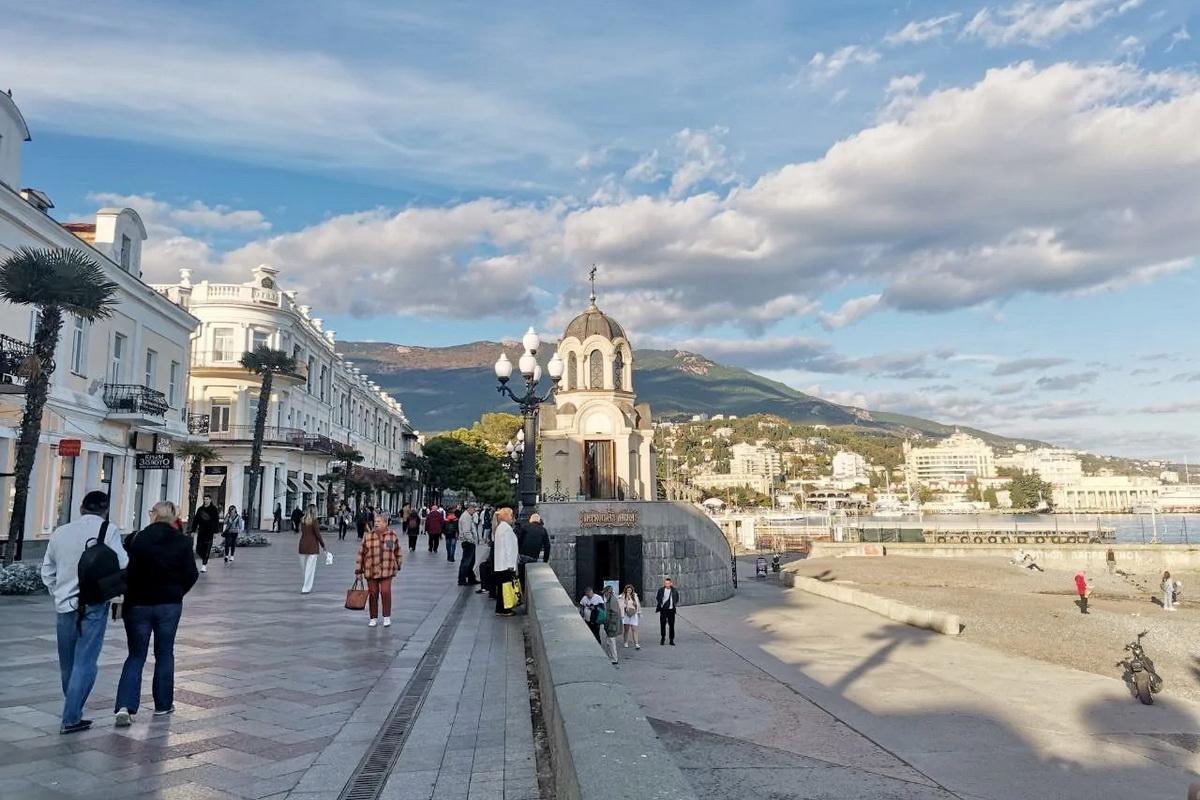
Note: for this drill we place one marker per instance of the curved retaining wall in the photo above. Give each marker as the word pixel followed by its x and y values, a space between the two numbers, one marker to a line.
pixel 949 624
pixel 601 745
pixel 1066 556
pixel 677 540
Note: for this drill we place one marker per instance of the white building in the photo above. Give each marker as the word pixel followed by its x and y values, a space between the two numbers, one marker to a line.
pixel 849 469
pixel 1107 493
pixel 1051 465
pixel 952 461
pixel 715 482
pixel 755 459
pixel 328 400
pixel 120 384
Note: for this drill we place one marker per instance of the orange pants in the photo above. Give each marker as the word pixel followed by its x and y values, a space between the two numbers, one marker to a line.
pixel 377 589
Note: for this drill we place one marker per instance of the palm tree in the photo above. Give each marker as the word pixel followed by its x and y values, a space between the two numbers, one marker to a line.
pixel 198 452
pixel 265 362
pixel 348 456
pixel 55 281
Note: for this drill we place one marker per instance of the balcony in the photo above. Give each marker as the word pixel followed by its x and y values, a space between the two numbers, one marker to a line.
pixel 236 293
pixel 13 356
pixel 228 363
pixel 137 405
pixel 319 443
pixel 273 436
pixel 197 424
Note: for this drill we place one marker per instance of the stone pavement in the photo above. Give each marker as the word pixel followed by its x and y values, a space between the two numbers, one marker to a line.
pixel 781 694
pixel 279 694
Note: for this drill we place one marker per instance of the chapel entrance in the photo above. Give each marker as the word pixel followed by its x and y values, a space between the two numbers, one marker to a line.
pixel 600 469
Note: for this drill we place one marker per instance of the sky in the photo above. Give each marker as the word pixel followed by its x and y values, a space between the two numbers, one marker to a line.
pixel 983 213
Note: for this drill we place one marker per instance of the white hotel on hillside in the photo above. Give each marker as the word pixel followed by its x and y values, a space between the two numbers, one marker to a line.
pixel 328 400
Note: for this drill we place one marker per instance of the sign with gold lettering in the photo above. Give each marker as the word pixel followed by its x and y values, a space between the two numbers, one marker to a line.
pixel 609 518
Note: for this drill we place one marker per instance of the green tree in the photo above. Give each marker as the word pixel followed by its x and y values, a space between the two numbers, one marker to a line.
pixel 925 494
pixel 264 362
pixel 497 429
pixel 464 465
pixel 349 456
pixel 1027 490
pixel 989 495
pixel 55 281
pixel 197 453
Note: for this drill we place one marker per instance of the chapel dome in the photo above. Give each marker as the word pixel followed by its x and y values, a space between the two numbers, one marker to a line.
pixel 593 322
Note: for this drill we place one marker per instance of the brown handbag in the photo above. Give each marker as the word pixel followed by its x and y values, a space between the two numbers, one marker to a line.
pixel 356 595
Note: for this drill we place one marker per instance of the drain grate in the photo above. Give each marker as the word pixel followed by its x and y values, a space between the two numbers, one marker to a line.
pixel 368 779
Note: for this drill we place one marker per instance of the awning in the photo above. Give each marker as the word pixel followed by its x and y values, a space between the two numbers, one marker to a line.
pixel 207 481
pixel 308 487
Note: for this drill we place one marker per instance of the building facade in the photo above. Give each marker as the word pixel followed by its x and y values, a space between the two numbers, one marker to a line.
pixel 950 463
pixel 712 481
pixel 755 459
pixel 849 469
pixel 325 403
pixel 1107 493
pixel 597 440
pixel 1051 465
pixel 119 388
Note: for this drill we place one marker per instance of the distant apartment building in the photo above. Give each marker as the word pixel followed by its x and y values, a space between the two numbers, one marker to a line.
pixel 1107 493
pixel 118 393
pixel 327 401
pixel 715 482
pixel 952 461
pixel 755 459
pixel 1051 465
pixel 849 469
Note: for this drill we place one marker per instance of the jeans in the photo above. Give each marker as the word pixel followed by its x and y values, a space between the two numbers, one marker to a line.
pixel 466 565
pixel 451 547
pixel 230 544
pixel 308 564
pixel 140 622
pixel 78 654
pixel 435 540
pixel 412 542
pixel 609 643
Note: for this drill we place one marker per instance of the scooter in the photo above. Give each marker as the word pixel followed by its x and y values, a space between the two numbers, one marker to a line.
pixel 1140 672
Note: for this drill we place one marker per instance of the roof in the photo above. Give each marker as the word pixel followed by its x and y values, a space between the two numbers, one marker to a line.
pixel 7 103
pixel 84 230
pixel 594 322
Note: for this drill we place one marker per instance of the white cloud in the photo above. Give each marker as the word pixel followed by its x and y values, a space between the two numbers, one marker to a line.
pixel 645 170
pixel 701 157
pixel 1040 23
pixel 851 311
pixel 905 84
pixel 922 30
pixel 823 67
pixel 1179 36
pixel 1131 47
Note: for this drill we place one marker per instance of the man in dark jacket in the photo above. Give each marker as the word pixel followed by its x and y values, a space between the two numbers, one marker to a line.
pixel 161 571
pixel 666 602
pixel 434 522
pixel 297 516
pixel 205 524
pixel 534 544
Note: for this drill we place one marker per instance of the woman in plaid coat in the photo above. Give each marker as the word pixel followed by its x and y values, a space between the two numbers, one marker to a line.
pixel 378 561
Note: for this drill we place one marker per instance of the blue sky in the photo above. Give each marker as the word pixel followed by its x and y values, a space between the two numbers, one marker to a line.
pixel 983 212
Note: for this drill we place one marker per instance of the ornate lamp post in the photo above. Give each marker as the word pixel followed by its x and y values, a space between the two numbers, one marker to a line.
pixel 516 453
pixel 529 403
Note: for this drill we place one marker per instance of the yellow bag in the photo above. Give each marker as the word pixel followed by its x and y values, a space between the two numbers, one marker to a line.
pixel 511 591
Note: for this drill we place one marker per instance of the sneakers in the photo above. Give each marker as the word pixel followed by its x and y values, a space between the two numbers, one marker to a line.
pixel 627 645
pixel 204 568
pixel 387 622
pixel 124 718
pixel 76 727
pixel 372 623
pixel 165 712
pixel 637 647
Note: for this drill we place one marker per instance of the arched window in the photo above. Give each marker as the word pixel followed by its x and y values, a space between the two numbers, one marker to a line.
pixel 572 371
pixel 596 370
pixel 619 371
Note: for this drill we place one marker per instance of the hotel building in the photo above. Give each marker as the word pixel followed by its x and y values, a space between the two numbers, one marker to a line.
pixel 950 463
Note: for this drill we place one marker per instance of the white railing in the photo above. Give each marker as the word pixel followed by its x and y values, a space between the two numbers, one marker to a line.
pixel 235 293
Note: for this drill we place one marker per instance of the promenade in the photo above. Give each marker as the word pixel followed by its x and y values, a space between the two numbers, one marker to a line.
pixel 280 695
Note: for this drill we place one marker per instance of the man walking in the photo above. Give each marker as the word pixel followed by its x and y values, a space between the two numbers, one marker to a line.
pixel 434 521
pixel 470 528
pixel 666 601
pixel 205 524
pixel 297 515
pixel 80 636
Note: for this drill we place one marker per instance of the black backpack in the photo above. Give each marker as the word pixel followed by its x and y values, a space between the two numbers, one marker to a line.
pixel 100 575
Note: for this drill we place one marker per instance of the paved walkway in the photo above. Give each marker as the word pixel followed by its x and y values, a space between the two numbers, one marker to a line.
pixel 781 694
pixel 280 695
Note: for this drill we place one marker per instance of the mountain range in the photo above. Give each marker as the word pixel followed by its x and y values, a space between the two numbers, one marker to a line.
pixel 443 388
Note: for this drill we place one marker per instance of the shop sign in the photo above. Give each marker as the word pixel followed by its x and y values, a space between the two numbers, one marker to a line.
pixel 155 461
pixel 608 519
pixel 69 448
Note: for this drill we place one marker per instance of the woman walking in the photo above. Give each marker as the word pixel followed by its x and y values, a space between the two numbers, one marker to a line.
pixel 611 628
pixel 378 561
pixel 343 521
pixel 161 571
pixel 631 610
pixel 505 551
pixel 233 526
pixel 311 545
pixel 412 527
pixel 1168 590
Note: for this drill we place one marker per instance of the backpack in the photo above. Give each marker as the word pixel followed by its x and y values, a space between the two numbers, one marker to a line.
pixel 599 615
pixel 100 575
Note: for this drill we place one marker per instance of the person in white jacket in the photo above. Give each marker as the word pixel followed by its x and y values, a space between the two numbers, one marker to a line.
pixel 505 551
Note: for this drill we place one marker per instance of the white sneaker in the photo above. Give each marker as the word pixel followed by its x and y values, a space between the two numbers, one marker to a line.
pixel 204 568
pixel 372 623
pixel 124 718
pixel 387 622
pixel 627 645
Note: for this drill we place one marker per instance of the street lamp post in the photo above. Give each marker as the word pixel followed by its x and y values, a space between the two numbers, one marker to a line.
pixel 529 402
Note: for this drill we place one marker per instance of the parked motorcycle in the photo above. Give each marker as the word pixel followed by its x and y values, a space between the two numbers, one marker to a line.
pixel 1140 673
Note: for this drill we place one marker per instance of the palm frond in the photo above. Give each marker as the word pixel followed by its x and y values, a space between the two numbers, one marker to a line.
pixel 197 450
pixel 264 359
pixel 64 277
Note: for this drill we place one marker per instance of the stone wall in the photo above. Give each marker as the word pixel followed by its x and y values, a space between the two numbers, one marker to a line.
pixel 677 540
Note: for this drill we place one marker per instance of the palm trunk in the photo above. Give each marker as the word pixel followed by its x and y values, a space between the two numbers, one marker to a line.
pixel 194 486
pixel 260 430
pixel 37 388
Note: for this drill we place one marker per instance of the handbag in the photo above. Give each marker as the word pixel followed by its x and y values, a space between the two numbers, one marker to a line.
pixel 356 595
pixel 512 594
pixel 328 558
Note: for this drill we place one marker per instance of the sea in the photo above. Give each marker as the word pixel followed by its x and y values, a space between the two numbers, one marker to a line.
pixel 1130 528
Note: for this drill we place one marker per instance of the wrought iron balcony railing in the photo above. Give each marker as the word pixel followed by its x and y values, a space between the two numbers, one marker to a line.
pixel 130 398
pixel 13 357
pixel 319 443
pixel 273 435
pixel 197 424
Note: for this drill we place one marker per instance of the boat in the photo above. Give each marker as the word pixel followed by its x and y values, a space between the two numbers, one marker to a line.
pixel 890 506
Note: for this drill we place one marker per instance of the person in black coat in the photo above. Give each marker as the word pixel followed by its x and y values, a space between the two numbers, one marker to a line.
pixel 297 517
pixel 205 524
pixel 534 543
pixel 666 601
pixel 161 571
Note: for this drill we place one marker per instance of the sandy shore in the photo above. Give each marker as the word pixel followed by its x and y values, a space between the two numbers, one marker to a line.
pixel 1034 613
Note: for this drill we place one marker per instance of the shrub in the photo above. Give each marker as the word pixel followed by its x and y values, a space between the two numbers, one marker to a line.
pixel 21 578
